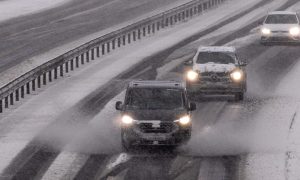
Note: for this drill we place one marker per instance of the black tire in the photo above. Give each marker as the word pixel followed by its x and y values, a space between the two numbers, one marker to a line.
pixel 239 96
pixel 126 147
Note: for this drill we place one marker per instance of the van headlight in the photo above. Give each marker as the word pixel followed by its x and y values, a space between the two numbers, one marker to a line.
pixel 184 120
pixel 192 75
pixel 265 31
pixel 295 31
pixel 127 120
pixel 237 75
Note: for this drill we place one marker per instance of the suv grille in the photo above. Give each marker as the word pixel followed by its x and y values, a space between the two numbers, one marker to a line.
pixel 165 127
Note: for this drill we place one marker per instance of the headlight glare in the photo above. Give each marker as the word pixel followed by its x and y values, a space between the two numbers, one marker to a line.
pixel 295 31
pixel 192 75
pixel 265 31
pixel 127 120
pixel 184 120
pixel 236 75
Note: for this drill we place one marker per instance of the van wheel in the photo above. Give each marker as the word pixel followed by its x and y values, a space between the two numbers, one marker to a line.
pixel 239 96
pixel 126 147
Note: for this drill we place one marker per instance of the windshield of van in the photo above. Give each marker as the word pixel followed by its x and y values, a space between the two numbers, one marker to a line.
pixel 215 57
pixel 155 98
pixel 281 19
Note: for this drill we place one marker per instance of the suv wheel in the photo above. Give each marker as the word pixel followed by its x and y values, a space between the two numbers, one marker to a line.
pixel 239 96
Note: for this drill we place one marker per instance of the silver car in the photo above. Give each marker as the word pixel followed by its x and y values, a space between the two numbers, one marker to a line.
pixel 280 26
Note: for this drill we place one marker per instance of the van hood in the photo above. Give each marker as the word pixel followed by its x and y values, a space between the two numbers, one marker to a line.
pixel 213 67
pixel 157 115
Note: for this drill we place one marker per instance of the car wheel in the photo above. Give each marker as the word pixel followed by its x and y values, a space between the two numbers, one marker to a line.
pixel 239 96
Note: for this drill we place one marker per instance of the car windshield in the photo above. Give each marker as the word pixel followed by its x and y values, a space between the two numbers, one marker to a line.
pixel 215 57
pixel 155 98
pixel 281 19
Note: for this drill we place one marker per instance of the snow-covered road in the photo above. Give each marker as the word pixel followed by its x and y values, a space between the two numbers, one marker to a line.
pixel 255 139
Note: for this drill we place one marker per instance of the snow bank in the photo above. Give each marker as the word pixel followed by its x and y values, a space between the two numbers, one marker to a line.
pixel 14 8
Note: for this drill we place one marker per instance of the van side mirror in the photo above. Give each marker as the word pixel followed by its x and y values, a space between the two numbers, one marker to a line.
pixel 188 63
pixel 119 105
pixel 243 63
pixel 193 106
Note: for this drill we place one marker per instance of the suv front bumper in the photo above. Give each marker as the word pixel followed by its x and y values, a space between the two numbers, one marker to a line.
pixel 216 87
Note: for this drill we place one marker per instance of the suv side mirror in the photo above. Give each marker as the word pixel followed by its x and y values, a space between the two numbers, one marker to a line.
pixel 188 63
pixel 193 106
pixel 119 105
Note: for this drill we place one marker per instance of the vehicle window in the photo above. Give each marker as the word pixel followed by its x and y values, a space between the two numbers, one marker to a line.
pixel 281 19
pixel 215 57
pixel 155 98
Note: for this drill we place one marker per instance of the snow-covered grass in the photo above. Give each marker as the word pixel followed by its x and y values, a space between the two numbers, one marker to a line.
pixel 15 8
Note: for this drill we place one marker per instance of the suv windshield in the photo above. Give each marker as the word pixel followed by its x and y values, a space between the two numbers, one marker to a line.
pixel 155 98
pixel 281 19
pixel 215 57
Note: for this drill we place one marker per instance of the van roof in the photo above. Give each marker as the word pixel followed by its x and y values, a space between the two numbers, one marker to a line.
pixel 216 49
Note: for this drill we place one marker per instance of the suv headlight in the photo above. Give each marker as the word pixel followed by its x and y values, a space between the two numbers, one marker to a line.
pixel 127 120
pixel 265 31
pixel 192 75
pixel 237 75
pixel 295 31
pixel 184 120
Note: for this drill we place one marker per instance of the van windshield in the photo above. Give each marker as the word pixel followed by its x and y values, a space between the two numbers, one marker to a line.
pixel 155 98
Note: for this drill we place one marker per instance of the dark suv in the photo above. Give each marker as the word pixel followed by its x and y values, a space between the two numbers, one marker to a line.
pixel 155 113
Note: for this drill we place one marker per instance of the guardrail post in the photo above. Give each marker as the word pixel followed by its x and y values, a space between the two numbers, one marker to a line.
pixel 98 51
pixel 17 95
pixel 119 42
pixel 1 106
pixel 129 38
pixel 139 33
pixel 108 47
pixel 144 31
pixel 45 78
pixel 6 102
pixel 22 91
pixel 11 98
pixel 134 35
pixel 77 62
pixel 93 54
pixel 103 49
pixel 61 70
pixel 171 20
pixel 87 57
pixel 39 82
pixel 55 73
pixel 124 40
pixel 28 88
pixel 153 28
pixel 82 58
pixel 157 26
pixel 72 64
pixel 149 29
pixel 67 66
pixel 200 8
pixel 50 76
pixel 167 22
pixel 113 44
pixel 33 85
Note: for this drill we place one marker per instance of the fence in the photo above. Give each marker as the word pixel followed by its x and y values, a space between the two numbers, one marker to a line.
pixel 51 70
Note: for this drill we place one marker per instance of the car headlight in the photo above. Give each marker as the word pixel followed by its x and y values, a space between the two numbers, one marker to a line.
pixel 192 75
pixel 184 120
pixel 127 120
pixel 295 31
pixel 236 75
pixel 265 31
